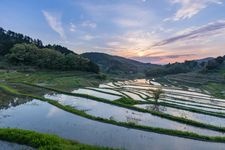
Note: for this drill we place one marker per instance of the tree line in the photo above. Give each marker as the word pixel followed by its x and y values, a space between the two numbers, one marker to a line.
pixel 18 49
pixel 187 66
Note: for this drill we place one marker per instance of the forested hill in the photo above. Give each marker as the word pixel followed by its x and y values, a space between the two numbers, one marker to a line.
pixel 118 65
pixel 20 50
pixel 205 65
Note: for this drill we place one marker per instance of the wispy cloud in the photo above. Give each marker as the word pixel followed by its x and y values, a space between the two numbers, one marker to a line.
pixel 165 59
pixel 119 14
pixel 123 22
pixel 89 24
pixel 211 29
pixel 189 8
pixel 54 21
pixel 72 27
pixel 113 43
pixel 87 37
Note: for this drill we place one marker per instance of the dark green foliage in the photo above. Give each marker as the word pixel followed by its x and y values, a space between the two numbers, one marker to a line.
pixel 219 60
pixel 202 65
pixel 127 101
pixel 212 64
pixel 94 68
pixel 171 69
pixel 101 76
pixel 60 48
pixel 215 64
pixel 21 50
pixel 45 58
pixel 9 38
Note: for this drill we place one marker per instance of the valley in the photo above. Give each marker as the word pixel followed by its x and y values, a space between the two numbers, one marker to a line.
pixel 95 112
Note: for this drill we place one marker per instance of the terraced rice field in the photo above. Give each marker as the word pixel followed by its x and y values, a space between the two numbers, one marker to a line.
pixel 99 115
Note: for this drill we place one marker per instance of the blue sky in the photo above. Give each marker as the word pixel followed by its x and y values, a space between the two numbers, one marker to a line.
pixel 153 31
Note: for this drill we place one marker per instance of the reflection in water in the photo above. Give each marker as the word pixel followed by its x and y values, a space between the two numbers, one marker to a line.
pixel 52 111
pixel 7 101
pixel 132 120
pixel 103 110
pixel 156 107
pixel 27 89
pixel 187 114
pixel 42 117
pixel 97 94
pixel 13 146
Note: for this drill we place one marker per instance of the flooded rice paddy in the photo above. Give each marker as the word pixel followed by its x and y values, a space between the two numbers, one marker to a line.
pixel 116 113
pixel 33 114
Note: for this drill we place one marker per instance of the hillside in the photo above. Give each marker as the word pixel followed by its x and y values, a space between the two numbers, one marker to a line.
pixel 207 74
pixel 117 64
pixel 205 65
pixel 21 51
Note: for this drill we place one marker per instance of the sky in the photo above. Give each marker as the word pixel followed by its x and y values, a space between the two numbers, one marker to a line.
pixel 152 31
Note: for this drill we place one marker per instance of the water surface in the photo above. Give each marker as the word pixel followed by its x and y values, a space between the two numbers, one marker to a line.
pixel 43 117
pixel 13 146
pixel 108 111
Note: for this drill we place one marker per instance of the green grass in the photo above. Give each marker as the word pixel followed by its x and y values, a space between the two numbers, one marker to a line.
pixel 42 141
pixel 216 89
pixel 127 101
pixel 213 82
pixel 66 80
pixel 8 89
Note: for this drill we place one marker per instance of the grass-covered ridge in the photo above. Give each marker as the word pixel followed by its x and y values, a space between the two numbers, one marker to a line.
pixel 65 80
pixel 42 141
pixel 127 101
pixel 217 89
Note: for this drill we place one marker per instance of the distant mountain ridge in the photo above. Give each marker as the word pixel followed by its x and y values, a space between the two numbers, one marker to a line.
pixel 204 59
pixel 116 64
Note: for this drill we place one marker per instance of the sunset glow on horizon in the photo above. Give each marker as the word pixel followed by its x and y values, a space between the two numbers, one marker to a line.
pixel 161 32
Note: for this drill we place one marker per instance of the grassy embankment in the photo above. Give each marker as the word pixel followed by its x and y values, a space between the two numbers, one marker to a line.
pixel 213 82
pixel 216 89
pixel 179 133
pixel 61 80
pixel 42 141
